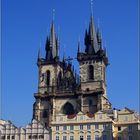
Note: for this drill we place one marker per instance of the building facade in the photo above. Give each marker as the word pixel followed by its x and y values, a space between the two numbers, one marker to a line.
pixel 75 106
pixel 33 131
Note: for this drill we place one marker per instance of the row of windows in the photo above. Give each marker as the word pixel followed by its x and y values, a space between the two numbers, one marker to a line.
pixel 36 137
pixel 90 73
pixel 30 137
pixel 8 137
pixel 97 137
pixel 81 127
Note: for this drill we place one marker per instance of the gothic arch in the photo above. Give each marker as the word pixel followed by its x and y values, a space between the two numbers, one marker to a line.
pixel 68 109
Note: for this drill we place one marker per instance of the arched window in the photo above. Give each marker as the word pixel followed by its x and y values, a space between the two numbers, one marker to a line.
pixel 48 78
pixel 68 109
pixel 91 72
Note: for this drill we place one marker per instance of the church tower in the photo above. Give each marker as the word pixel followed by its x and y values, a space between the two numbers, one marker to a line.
pixel 93 62
pixel 59 90
pixel 57 84
pixel 50 73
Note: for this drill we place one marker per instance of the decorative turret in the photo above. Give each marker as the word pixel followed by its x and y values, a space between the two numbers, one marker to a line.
pixel 52 45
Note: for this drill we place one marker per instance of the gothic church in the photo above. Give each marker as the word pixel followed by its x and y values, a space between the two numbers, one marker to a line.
pixel 60 90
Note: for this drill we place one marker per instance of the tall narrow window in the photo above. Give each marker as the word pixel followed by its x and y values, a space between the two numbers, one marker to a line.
pixel 119 138
pixel 48 78
pixel 88 137
pixel 71 137
pixel 57 137
pixel 130 138
pixel 59 76
pixel 57 128
pixel 88 126
pixel 71 127
pixel 97 137
pixel 96 126
pixel 130 128
pixel 81 127
pixel 91 72
pixel 104 137
pixel 64 137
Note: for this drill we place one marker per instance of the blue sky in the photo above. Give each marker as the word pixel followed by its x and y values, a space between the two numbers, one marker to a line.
pixel 25 25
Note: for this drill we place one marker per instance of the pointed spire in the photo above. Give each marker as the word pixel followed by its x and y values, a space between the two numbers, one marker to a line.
pixel 91 39
pixel 53 39
pixel 52 45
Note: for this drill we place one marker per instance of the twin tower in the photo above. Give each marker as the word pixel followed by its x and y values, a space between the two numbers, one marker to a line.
pixel 61 90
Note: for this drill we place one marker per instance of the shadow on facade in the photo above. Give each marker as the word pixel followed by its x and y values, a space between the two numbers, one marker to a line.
pixel 127 134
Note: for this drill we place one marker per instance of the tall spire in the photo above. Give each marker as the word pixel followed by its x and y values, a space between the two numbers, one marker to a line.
pixel 52 44
pixel 91 38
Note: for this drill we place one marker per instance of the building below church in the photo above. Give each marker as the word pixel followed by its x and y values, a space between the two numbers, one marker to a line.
pixel 33 131
pixel 71 106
